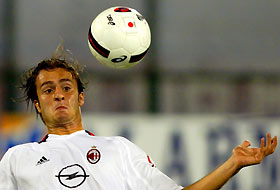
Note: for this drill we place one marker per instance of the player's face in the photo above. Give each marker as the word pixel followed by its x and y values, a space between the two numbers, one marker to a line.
pixel 59 101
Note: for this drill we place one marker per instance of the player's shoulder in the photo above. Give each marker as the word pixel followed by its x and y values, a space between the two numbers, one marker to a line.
pixel 21 148
pixel 112 139
pixel 116 141
pixel 121 142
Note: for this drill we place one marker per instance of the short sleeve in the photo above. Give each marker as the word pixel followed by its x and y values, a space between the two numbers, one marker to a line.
pixel 7 180
pixel 142 172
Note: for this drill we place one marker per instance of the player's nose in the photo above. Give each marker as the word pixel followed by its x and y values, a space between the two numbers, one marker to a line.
pixel 58 95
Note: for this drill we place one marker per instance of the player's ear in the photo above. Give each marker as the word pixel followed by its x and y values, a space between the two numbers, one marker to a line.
pixel 81 99
pixel 37 105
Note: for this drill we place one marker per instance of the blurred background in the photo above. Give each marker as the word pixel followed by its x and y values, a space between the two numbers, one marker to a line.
pixel 210 80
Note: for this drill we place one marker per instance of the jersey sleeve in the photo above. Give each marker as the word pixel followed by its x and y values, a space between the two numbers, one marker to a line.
pixel 7 180
pixel 141 171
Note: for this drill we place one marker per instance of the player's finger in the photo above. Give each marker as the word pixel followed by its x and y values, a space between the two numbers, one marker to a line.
pixel 268 141
pixel 262 144
pixel 271 145
pixel 274 143
pixel 246 144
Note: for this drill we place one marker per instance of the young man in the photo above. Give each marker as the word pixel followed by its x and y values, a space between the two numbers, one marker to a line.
pixel 70 157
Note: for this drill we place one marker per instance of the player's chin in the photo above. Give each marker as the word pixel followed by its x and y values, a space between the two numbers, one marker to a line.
pixel 63 118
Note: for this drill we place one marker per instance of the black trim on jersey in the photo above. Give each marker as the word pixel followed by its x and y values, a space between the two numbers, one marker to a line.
pixel 135 58
pixel 44 139
pixel 90 133
pixel 95 45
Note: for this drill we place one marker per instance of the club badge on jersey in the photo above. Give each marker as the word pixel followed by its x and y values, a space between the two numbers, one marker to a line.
pixel 93 155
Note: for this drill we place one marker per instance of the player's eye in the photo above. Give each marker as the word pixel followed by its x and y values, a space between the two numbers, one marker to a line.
pixel 67 88
pixel 48 91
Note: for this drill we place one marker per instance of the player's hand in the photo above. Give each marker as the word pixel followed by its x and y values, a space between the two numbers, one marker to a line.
pixel 245 156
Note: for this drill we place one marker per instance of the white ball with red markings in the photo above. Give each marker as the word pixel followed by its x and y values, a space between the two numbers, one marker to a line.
pixel 119 37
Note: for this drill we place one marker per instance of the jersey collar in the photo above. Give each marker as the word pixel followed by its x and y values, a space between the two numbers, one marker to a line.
pixel 53 136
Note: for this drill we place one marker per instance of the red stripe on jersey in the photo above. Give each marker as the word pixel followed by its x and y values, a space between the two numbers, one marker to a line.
pixel 90 133
pixel 44 139
pixel 149 160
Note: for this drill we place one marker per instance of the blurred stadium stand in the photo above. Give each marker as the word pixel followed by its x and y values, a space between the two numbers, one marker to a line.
pixel 210 57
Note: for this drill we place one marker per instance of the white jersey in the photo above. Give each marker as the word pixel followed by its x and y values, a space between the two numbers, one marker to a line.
pixel 81 161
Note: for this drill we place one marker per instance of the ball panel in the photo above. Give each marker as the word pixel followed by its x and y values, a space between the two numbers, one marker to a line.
pixel 131 43
pixel 138 57
pixel 97 27
pixel 94 53
pixel 119 56
pixel 130 26
pixel 113 38
pixel 96 46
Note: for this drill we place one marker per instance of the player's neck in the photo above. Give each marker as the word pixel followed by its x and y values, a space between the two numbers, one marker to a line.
pixel 64 129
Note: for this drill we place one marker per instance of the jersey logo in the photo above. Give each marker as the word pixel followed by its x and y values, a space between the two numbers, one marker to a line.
pixel 42 160
pixel 93 155
pixel 72 176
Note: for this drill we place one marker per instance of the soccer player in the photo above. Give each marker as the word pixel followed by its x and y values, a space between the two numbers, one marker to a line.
pixel 70 157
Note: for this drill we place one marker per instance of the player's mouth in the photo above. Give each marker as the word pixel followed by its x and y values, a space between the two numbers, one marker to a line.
pixel 61 108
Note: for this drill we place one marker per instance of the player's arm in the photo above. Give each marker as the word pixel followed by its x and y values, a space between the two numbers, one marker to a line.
pixel 242 156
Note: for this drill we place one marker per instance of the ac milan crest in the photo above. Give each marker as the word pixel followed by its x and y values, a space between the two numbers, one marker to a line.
pixel 93 155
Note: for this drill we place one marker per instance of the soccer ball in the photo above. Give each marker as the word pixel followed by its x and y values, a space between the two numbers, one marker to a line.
pixel 119 37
